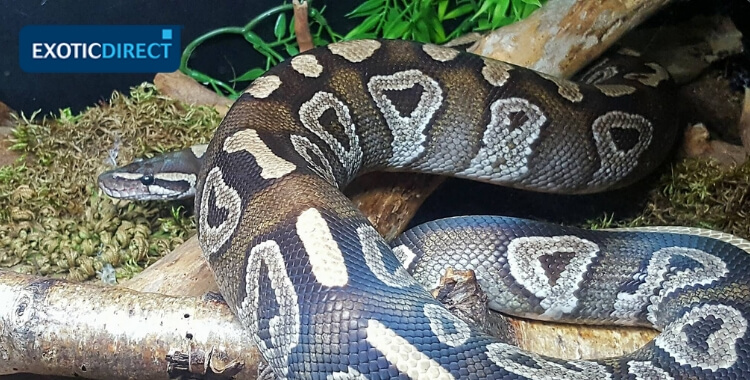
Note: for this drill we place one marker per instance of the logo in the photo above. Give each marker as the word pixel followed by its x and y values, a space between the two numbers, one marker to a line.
pixel 99 48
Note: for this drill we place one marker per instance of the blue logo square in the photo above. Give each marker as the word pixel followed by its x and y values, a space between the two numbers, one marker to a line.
pixel 166 34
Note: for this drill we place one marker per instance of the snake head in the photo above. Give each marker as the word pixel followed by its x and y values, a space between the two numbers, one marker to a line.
pixel 170 176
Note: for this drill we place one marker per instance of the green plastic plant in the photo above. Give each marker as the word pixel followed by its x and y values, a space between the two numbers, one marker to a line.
pixel 283 46
pixel 434 21
pixel 427 20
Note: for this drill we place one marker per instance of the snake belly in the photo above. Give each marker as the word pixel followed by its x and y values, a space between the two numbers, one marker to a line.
pixel 324 296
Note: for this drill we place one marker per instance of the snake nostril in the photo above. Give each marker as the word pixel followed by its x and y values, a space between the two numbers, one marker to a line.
pixel 147 180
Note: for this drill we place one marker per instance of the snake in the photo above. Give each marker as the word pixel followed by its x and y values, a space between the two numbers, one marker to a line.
pixel 324 296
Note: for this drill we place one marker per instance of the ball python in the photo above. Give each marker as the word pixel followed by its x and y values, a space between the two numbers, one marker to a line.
pixel 325 297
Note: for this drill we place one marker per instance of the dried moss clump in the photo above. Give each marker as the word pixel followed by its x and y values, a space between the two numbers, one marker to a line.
pixel 53 219
pixel 699 193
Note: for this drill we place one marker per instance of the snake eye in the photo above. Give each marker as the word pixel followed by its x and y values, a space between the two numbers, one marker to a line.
pixel 147 180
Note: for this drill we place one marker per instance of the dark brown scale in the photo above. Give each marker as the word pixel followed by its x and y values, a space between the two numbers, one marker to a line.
pixel 554 264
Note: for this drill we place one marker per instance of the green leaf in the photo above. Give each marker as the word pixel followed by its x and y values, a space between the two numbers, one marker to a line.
pixel 292 50
pixel 320 41
pixel 483 24
pixel 482 10
pixel 501 10
pixel 442 7
pixel 253 38
pixel 249 75
pixel 421 31
pixel 393 15
pixel 438 30
pixel 366 26
pixel 500 22
pixel 396 30
pixel 533 2
pixel 530 8
pixel 517 7
pixel 280 28
pixel 366 8
pixel 291 27
pixel 458 12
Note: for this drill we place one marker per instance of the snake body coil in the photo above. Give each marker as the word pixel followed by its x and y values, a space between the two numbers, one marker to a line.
pixel 325 297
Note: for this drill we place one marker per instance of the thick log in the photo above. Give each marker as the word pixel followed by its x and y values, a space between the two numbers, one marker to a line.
pixel 566 35
pixel 53 327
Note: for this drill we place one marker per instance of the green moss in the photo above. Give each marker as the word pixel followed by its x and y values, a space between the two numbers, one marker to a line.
pixel 53 219
pixel 696 193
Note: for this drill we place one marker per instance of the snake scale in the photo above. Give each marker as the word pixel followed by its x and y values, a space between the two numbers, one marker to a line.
pixel 325 297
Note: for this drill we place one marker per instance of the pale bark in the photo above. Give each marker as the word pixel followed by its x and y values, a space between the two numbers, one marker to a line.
pixel 565 35
pixel 53 327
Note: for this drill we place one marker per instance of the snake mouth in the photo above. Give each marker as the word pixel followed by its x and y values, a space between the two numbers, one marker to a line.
pixel 121 189
pixel 129 187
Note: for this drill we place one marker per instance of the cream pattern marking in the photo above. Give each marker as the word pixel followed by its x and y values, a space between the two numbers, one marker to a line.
pixel 496 73
pixel 174 177
pixel 264 86
pixel 440 53
pixel 647 371
pixel 303 146
pixel 128 176
pixel 558 298
pixel 272 166
pixel 326 259
pixel 284 328
pixel 307 65
pixel 408 132
pixel 567 89
pixel 225 198
pixel 355 51
pixel 505 150
pixel 600 72
pixel 617 163
pixel 310 113
pixel 650 79
pixel 629 305
pixel 615 90
pixel 369 238
pixel 503 356
pixel 405 255
pixel 350 374
pixel 199 150
pixel 736 241
pixel 439 318
pixel 721 351
pixel 628 52
pixel 712 269
pixel 403 355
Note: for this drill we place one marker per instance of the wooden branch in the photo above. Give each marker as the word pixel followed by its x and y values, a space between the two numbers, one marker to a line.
pixel 744 123
pixel 302 26
pixel 59 328
pixel 181 87
pixel 565 35
pixel 390 200
pixel 183 272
